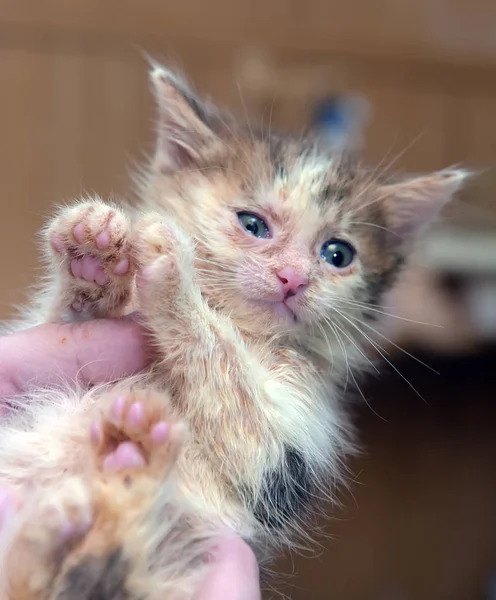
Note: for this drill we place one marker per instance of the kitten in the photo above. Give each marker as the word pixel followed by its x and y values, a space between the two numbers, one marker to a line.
pixel 250 258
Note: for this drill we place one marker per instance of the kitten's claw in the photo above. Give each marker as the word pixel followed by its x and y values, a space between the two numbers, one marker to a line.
pixel 90 245
pixel 136 435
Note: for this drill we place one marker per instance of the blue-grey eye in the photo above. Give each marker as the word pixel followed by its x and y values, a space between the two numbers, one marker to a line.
pixel 337 253
pixel 254 225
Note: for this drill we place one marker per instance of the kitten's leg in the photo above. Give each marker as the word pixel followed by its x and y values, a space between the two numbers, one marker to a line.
pixel 220 380
pixel 168 294
pixel 74 537
pixel 41 534
pixel 171 300
pixel 91 266
pixel 134 450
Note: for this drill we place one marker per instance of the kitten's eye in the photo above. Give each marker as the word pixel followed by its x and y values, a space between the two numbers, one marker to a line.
pixel 254 225
pixel 337 253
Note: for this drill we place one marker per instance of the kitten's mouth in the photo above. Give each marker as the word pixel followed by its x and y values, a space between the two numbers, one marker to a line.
pixel 279 307
pixel 283 309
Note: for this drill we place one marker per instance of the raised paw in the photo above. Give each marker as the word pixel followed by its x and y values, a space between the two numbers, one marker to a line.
pixel 90 242
pixel 165 258
pixel 136 435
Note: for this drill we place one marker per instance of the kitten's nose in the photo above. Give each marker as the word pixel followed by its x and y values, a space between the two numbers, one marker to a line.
pixel 292 281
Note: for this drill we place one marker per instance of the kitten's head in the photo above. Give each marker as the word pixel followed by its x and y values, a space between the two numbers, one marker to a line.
pixel 289 237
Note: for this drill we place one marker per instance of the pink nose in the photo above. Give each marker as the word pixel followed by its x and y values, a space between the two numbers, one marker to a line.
pixel 292 281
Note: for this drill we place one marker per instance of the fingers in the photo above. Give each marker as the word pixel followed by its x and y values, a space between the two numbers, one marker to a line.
pixel 95 352
pixel 234 574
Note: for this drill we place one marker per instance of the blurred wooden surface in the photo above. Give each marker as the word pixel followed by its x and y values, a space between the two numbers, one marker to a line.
pixel 456 31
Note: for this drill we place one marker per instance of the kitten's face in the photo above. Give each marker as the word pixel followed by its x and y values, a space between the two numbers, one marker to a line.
pixel 283 244
pixel 289 238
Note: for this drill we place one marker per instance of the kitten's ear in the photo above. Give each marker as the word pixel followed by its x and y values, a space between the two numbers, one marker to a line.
pixel 413 203
pixel 183 135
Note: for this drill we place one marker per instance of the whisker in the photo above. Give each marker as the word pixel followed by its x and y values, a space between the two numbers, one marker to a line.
pixel 356 382
pixel 377 176
pixel 350 338
pixel 224 266
pixel 209 168
pixel 375 225
pixel 365 306
pixel 402 153
pixel 399 347
pixel 343 350
pixel 261 165
pixel 328 344
pixel 382 353
pixel 376 169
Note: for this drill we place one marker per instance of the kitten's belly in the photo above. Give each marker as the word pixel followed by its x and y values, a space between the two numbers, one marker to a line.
pixel 283 496
pixel 286 495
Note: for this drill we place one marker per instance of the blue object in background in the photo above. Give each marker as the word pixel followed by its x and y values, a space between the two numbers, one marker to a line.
pixel 331 114
pixel 341 121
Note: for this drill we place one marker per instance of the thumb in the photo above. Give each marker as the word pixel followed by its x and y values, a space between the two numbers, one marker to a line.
pixel 234 573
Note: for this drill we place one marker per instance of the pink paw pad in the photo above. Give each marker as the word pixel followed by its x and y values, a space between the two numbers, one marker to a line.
pixel 57 243
pixel 79 232
pixel 103 240
pixel 89 268
pixel 96 433
pixel 122 266
pixel 159 432
pixel 70 530
pixel 131 418
pixel 126 456
pixel 118 407
pixel 135 415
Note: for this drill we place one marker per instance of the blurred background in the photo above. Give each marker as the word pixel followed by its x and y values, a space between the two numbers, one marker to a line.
pixel 413 83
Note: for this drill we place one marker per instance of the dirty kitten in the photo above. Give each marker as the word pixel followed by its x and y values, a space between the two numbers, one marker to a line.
pixel 250 258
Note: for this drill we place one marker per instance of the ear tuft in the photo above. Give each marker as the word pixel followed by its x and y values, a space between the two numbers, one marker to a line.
pixel 161 78
pixel 414 203
pixel 183 135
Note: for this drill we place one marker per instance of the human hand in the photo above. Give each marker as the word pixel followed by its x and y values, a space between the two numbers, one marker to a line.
pixel 94 352
pixel 234 573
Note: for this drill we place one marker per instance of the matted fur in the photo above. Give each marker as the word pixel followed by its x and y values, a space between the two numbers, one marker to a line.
pixel 259 393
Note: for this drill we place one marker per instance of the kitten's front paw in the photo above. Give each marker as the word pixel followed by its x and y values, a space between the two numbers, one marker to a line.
pixel 136 435
pixel 90 245
pixel 165 257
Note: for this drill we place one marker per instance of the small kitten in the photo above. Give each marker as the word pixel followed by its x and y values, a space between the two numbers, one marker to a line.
pixel 250 258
